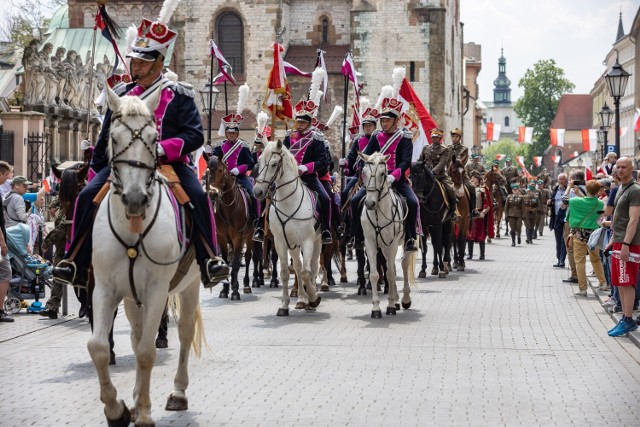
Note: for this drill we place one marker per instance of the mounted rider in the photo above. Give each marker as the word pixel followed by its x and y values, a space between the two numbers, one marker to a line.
pixel 510 173
pixel 235 153
pixel 325 174
pixel 307 146
pixel 395 142
pixel 437 157
pixel 179 127
pixel 475 166
pixel 461 153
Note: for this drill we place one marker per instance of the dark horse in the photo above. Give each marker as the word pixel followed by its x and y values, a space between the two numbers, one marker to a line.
pixel 233 225
pixel 433 210
pixel 459 234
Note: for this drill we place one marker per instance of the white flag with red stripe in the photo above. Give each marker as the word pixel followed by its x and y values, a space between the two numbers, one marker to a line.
pixel 537 161
pixel 557 137
pixel 223 65
pixel 636 120
pixel 525 134
pixel 589 140
pixel 292 69
pixel 555 159
pixel 500 156
pixel 349 70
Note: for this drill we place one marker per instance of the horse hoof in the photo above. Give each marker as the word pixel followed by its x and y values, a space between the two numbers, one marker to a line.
pixel 376 314
pixel 223 294
pixel 123 421
pixel 247 290
pixel 434 272
pixel 422 274
pixel 293 294
pixel 460 268
pixel 324 288
pixel 455 265
pixel 397 306
pixel 175 403
pixel 235 296
pixel 343 280
pixel 368 286
pixel 442 275
pixel 300 305
pixel 315 303
pixel 332 282
pixel 362 290
pixel 391 311
pixel 406 305
pixel 273 284
pixel 283 312
pixel 309 308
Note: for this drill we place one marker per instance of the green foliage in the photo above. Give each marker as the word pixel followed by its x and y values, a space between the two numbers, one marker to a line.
pixel 508 147
pixel 543 87
pixel 29 20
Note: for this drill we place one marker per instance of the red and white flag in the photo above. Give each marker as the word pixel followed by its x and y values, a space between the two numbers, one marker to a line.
pixel 493 131
pixel 278 98
pixel 223 65
pixel 537 161
pixel 418 116
pixel 557 137
pixel 525 134
pixel 500 156
pixel 292 69
pixel 636 120
pixel 623 131
pixel 520 161
pixel 555 159
pixel 589 140
pixel 200 162
pixel 349 70
pixel 45 185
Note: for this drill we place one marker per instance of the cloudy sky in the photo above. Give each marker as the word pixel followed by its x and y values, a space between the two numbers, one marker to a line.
pixel 577 34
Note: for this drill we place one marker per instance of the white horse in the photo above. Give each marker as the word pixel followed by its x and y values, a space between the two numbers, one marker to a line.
pixel 135 254
pixel 292 222
pixel 383 227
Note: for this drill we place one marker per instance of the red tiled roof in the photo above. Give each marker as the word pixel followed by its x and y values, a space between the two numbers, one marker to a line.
pixel 304 57
pixel 575 112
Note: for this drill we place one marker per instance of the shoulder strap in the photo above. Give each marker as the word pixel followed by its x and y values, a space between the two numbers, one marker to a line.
pixel 391 140
pixel 231 150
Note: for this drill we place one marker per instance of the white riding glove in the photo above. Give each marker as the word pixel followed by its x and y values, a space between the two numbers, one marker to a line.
pixel 391 179
pixel 303 169
pixel 160 150
pixel 234 171
pixel 85 145
pixel 342 162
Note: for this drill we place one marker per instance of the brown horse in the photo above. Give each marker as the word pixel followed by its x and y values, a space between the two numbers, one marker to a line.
pixel 459 230
pixel 233 224
pixel 496 183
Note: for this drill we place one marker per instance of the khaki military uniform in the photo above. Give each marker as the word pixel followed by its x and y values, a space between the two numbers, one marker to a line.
pixel 461 153
pixel 57 238
pixel 545 195
pixel 474 167
pixel 513 210
pixel 437 158
pixel 544 176
pixel 531 206
pixel 511 174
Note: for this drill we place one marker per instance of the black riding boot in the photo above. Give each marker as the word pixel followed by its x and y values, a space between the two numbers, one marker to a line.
pixel 470 249
pixel 513 238
pixel 258 234
pixel 453 202
pixel 481 244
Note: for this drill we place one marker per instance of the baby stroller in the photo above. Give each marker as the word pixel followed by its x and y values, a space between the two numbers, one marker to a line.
pixel 30 274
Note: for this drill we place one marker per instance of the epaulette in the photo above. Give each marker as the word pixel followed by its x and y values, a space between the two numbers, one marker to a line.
pixel 245 144
pixel 407 134
pixel 120 89
pixel 184 88
pixel 288 132
pixel 318 135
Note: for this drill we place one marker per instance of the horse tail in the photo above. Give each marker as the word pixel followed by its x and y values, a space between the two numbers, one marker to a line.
pixel 411 267
pixel 199 339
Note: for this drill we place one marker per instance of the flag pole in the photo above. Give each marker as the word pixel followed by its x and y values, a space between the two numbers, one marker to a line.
pixel 226 102
pixel 210 101
pixel 93 52
pixel 344 130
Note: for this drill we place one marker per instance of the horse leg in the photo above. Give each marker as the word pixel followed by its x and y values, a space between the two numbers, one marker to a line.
pixel 390 276
pixel 311 264
pixel 224 252
pixel 247 266
pixel 343 264
pixel 423 268
pixel 408 261
pixel 361 282
pixel 144 325
pixel 325 265
pixel 382 271
pixel 282 251
pixel 235 269
pixel 461 250
pixel 274 267
pixel 190 319
pixel 256 255
pixel 98 345
pixel 372 253
pixel 301 293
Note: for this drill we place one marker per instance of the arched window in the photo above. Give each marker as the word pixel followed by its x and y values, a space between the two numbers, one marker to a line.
pixel 325 31
pixel 506 121
pixel 230 40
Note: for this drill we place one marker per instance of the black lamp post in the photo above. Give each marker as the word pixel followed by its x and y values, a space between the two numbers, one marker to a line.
pixel 602 135
pixel 617 81
pixel 209 95
pixel 605 115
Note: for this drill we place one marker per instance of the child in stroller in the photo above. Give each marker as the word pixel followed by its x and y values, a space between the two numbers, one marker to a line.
pixel 30 274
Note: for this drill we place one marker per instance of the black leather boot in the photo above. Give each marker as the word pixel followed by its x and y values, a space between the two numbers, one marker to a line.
pixel 258 234
pixel 513 239
pixel 213 271
pixel 481 244
pixel 469 249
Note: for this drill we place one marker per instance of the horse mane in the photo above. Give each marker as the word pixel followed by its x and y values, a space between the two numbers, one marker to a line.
pixel 134 106
pixel 68 185
pixel 287 157
pixel 376 158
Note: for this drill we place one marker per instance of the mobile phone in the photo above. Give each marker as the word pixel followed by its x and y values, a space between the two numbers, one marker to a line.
pixel 599 212
pixel 576 182
pixel 607 252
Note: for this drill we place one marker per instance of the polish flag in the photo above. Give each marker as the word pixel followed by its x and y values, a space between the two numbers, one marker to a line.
pixel 555 159
pixel 416 113
pixel 636 120
pixel 500 156
pixel 525 134
pixel 200 162
pixel 493 131
pixel 557 137
pixel 46 186
pixel 292 69
pixel 537 161
pixel 223 65
pixel 349 70
pixel 623 131
pixel 589 140
pixel 520 160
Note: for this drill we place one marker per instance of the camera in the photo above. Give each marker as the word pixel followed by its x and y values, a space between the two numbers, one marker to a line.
pixel 576 182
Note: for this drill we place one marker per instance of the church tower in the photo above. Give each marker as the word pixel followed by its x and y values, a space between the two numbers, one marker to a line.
pixel 502 84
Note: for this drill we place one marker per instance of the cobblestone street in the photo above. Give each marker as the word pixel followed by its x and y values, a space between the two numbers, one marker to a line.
pixel 504 343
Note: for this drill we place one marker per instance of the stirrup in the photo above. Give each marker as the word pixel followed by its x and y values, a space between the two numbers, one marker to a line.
pixel 326 238
pixel 71 269
pixel 410 245
pixel 258 235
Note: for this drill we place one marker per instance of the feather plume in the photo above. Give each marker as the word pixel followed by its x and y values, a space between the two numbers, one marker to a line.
pixel 317 77
pixel 385 92
pixel 317 99
pixel 397 77
pixel 337 112
pixel 263 118
pixel 243 95
pixel 112 26
pixel 132 33
pixel 364 104
pixel 167 10
pixel 170 75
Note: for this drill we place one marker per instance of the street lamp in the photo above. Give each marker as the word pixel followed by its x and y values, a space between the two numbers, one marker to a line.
pixel 605 115
pixel 602 138
pixel 617 81
pixel 209 95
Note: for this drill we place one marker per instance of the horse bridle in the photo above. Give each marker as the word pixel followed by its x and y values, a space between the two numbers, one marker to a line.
pixel 136 134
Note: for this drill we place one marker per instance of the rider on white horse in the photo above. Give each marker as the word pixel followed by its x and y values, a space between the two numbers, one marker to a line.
pixel 395 142
pixel 307 146
pixel 239 160
pixel 180 132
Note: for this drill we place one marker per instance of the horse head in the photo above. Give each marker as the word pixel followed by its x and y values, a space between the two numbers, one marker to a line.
pixel 219 173
pixel 374 177
pixel 422 178
pixel 275 163
pixel 132 147
pixel 456 171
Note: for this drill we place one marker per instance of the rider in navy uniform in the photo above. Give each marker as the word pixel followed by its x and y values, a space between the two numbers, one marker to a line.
pixel 180 132
pixel 353 164
pixel 239 160
pixel 307 146
pixel 397 144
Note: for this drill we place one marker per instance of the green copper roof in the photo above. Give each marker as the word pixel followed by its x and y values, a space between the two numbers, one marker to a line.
pixel 60 19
